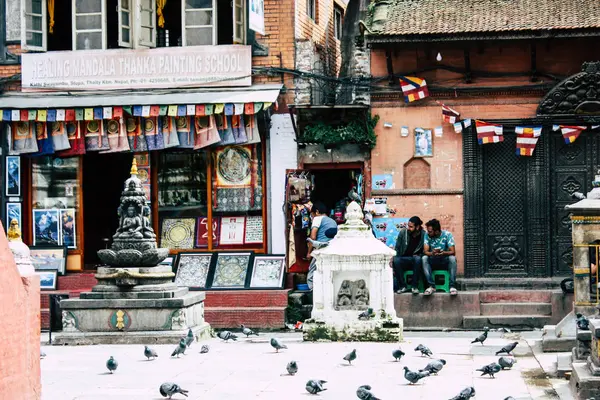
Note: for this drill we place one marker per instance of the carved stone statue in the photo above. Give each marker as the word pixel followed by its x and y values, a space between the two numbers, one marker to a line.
pixel 362 294
pixel 131 225
pixel 147 230
pixel 344 297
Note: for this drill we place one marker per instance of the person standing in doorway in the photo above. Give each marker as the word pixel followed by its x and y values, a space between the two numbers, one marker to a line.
pixel 322 230
pixel 439 249
pixel 409 250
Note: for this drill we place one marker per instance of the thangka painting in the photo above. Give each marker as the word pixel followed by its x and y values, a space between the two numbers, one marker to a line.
pixel 387 229
pixel 268 272
pixel 178 233
pixel 234 166
pixel 231 270
pixel 192 270
pixel 202 232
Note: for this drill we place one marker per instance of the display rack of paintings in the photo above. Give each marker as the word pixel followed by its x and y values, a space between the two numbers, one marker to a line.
pixel 49 258
pixel 13 176
pixel 178 233
pixel 232 230
pixel 13 211
pixel 268 272
pixel 231 270
pixel 193 270
pixel 47 279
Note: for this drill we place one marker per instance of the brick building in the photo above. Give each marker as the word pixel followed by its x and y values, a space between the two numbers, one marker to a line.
pixel 501 63
pixel 272 40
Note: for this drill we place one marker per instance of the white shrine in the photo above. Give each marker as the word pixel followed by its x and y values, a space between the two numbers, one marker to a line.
pixel 353 279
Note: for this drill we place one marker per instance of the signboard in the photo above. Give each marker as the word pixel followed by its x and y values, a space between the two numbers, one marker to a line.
pixel 256 16
pixel 165 67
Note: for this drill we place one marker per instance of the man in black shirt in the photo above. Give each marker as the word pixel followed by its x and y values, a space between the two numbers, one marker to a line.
pixel 409 250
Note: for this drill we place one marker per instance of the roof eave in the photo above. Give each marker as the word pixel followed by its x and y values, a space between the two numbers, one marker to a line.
pixel 375 40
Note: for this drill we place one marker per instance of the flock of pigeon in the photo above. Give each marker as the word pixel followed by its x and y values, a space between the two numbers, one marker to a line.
pixel 315 386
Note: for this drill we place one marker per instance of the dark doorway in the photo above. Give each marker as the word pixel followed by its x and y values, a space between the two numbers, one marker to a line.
pixel 332 186
pixel 103 178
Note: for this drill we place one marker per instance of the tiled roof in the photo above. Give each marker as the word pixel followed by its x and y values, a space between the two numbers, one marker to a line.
pixel 422 17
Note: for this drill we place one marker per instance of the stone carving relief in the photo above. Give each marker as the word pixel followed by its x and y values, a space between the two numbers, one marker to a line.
pixel 178 320
pixel 353 295
pixel 69 322
pixel 506 252
pixel 570 185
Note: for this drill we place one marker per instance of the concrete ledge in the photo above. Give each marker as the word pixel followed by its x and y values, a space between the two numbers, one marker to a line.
pixel 583 384
pixel 527 322
pixel 201 332
pixel 177 302
pixel 439 309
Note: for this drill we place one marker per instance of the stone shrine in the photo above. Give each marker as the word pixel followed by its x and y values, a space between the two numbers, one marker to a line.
pixel 353 297
pixel 585 380
pixel 135 300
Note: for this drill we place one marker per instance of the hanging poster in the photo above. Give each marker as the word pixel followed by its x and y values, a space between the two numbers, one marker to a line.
pixel 387 229
pixel 254 230
pixel 13 176
pixel 68 228
pixel 232 230
pixel 46 227
pixel 256 16
pixel 384 181
pixel 423 143
pixel 13 211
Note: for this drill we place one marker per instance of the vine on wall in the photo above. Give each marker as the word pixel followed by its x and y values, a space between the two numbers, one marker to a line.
pixel 355 131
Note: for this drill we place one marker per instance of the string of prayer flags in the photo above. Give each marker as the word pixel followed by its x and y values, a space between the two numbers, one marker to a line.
pixel 238 108
pixel 137 111
pixel 257 107
pixel 88 114
pixel 172 111
pixel 209 109
pixel 413 88
pixel 60 114
pixel 6 115
pixel 267 105
pixel 488 133
pixel 24 115
pixel 51 116
pixel 570 133
pixel 98 113
pixel 438 131
pixel 458 127
pixel 200 110
pixel 228 109
pixel 107 112
pixel 127 109
pixel 404 131
pixel 31 115
pixel 181 111
pixel 16 116
pixel 154 111
pixel 249 108
pixel 449 115
pixel 219 108
pixel 69 115
pixel 527 138
pixel 163 110
pixel 145 111
pixel 117 112
pixel 191 109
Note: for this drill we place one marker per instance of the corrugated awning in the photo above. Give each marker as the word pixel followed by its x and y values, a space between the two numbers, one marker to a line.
pixel 254 94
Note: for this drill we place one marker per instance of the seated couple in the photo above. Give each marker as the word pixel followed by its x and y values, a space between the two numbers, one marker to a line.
pixel 421 251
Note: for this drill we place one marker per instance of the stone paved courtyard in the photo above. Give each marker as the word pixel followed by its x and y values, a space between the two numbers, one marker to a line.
pixel 251 369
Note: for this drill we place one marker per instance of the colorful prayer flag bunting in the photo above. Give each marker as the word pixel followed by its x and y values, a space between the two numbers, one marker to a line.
pixel 145 111
pixel 219 108
pixel 172 111
pixel 16 115
pixel 51 116
pixel 24 115
pixel 154 111
pixel 117 112
pixel 98 113
pixel 413 88
pixel 163 110
pixel 60 114
pixel 209 109
pixel 488 133
pixel 181 111
pixel 191 109
pixel 107 113
pixel 458 127
pixel 6 115
pixel 257 107
pixel 228 109
pixel 137 111
pixel 69 114
pixel 527 138
pixel 41 115
pixel 32 115
pixel 79 114
pixel 88 114
pixel 249 108
pixel 570 133
pixel 200 110
pixel 126 109
pixel 449 115
pixel 238 108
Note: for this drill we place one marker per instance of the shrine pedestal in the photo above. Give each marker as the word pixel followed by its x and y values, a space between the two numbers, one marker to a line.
pixel 353 277
pixel 585 379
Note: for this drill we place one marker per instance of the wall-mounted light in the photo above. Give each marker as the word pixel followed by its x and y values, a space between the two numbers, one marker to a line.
pixel 438 57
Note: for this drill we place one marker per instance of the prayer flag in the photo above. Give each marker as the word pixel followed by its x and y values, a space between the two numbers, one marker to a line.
pixel 413 88
pixel 488 133
pixel 571 133
pixel 527 138
pixel 449 115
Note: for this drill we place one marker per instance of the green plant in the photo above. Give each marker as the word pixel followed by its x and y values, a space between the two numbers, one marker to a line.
pixel 355 131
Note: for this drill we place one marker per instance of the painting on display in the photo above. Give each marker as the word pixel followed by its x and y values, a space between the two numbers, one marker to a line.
pixel 169 261
pixel 192 270
pixel 202 232
pixel 178 233
pixel 47 279
pixel 13 211
pixel 46 227
pixel 232 230
pixel 387 229
pixel 254 230
pixel 13 176
pixel 384 181
pixel 231 270
pixel 268 271
pixel 256 16
pixel 47 258
pixel 234 166
pixel 423 143
pixel 68 228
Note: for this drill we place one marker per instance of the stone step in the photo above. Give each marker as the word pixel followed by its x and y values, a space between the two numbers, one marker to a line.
pixel 525 322
pixel 252 317
pixel 516 308
pixel 515 296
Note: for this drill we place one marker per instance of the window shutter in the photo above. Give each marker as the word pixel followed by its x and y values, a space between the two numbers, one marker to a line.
pixel 89 24
pixel 146 23
pixel 34 29
pixel 239 22
pixel 199 22
pixel 124 10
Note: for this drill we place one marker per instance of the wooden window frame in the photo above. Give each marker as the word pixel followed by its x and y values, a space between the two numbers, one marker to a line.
pixel 102 29
pixel 338 13
pixel 24 29
pixel 184 26
pixel 311 9
pixel 125 24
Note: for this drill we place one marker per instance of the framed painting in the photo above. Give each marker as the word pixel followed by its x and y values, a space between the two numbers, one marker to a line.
pixel 178 233
pixel 170 261
pixel 268 271
pixel 254 230
pixel 231 270
pixel 233 166
pixel 46 227
pixel 423 143
pixel 68 231
pixel 193 269
pixel 13 176
pixel 13 211
pixel 232 230
pixel 49 258
pixel 202 232
pixel 47 279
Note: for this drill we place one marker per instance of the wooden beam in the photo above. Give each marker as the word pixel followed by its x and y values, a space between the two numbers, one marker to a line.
pixel 390 67
pixel 534 72
pixel 468 75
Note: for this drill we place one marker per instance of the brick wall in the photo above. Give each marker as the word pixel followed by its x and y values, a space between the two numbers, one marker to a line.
pixel 20 330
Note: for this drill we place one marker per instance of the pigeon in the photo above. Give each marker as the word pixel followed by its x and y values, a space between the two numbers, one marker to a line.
pixel 465 394
pixel 350 356
pixel 292 368
pixel 248 331
pixel 434 366
pixel 170 388
pixel 314 386
pixel 506 362
pixel 364 393
pixel 277 345
pixel 414 377
pixel 397 354
pixel 226 335
pixel 112 364
pixel 317 245
pixel 424 350
pixel 512 398
pixel 354 196
pixel 42 355
pixel 367 314
pixel 150 353
pixel 180 349
pixel 582 322
pixel 204 349
pixel 490 369
pixel 481 338
pixel 508 348
pixel 189 339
